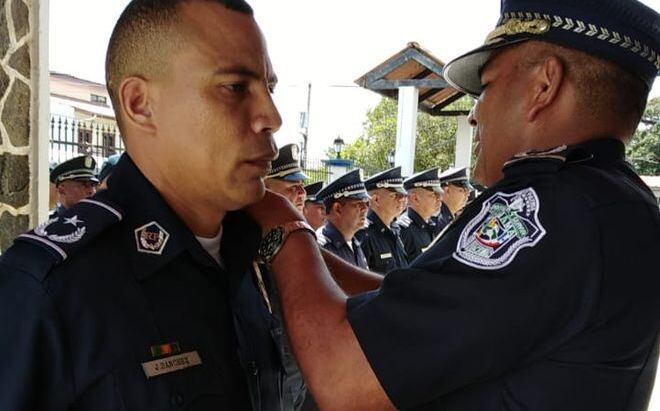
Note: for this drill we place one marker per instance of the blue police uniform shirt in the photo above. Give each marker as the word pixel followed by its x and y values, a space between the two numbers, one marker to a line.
pixel 539 297
pixel 416 233
pixel 332 240
pixel 77 333
pixel 382 245
pixel 443 219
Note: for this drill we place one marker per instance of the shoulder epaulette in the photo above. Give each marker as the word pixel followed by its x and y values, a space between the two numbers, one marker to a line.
pixel 322 240
pixel 404 221
pixel 62 236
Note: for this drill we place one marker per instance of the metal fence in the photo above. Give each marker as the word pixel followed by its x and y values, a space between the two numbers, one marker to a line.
pixel 72 137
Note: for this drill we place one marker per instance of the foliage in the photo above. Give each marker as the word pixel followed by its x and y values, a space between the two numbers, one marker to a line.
pixel 435 138
pixel 644 149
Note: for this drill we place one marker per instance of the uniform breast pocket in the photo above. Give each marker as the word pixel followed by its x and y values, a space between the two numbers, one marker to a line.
pixel 188 381
pixel 385 262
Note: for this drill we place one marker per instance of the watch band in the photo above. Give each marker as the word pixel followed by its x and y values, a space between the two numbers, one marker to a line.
pixel 273 241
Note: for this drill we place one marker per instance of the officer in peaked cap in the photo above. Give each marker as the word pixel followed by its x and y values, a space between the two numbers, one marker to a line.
pixel 74 180
pixel 314 210
pixel 417 224
pixel 382 244
pixel 286 176
pixel 456 189
pixel 539 296
pixel 346 203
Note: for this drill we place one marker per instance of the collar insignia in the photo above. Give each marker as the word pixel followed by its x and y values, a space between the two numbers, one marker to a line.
pixel 151 238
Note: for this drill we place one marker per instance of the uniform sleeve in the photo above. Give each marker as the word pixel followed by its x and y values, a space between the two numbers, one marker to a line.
pixel 34 374
pixel 443 324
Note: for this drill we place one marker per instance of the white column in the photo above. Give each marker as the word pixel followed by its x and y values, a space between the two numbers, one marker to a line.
pixel 40 113
pixel 406 130
pixel 463 155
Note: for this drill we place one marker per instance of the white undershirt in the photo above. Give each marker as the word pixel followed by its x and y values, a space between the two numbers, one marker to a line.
pixel 212 246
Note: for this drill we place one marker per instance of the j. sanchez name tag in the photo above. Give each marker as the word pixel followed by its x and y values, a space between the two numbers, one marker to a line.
pixel 386 255
pixel 171 364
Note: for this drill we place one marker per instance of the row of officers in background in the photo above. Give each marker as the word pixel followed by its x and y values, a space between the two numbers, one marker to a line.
pixel 381 223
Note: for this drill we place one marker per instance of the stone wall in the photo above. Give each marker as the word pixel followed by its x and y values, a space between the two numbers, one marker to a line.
pixel 15 118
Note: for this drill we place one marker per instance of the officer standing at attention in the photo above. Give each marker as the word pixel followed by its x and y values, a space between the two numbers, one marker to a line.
pixel 417 225
pixel 74 180
pixel 382 244
pixel 456 189
pixel 286 177
pixel 539 296
pixel 346 203
pixel 314 210
pixel 171 318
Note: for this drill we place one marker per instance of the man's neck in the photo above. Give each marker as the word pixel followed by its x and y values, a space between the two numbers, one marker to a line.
pixel 424 216
pixel 386 219
pixel 346 232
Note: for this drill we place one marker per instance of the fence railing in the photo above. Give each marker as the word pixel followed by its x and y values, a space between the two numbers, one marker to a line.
pixel 72 137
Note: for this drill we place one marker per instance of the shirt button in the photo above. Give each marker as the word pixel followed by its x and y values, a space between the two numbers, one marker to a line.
pixel 252 368
pixel 177 399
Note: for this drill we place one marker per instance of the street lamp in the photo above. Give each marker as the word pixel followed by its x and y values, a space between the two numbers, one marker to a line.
pixel 338 144
pixel 390 158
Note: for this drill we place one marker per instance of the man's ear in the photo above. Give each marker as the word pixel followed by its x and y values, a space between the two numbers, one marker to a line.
pixel 135 103
pixel 547 81
pixel 336 207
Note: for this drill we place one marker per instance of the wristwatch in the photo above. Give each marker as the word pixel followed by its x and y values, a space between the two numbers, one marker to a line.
pixel 274 239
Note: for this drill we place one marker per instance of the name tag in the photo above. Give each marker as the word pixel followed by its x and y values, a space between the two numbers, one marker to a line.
pixel 171 364
pixel 386 255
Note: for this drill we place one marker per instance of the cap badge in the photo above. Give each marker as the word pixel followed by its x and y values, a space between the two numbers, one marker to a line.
pixel 506 224
pixel 151 238
pixel 295 152
pixel 61 233
pixel 518 26
pixel 88 162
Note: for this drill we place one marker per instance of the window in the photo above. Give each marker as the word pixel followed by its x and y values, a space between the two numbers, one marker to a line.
pixel 99 99
pixel 84 140
pixel 109 144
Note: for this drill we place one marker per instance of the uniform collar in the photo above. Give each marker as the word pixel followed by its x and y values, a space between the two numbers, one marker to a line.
pixel 376 222
pixel 335 236
pixel 416 218
pixel 600 150
pixel 143 204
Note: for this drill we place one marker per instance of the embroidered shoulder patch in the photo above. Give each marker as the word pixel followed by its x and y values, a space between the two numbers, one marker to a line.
pixel 151 238
pixel 506 224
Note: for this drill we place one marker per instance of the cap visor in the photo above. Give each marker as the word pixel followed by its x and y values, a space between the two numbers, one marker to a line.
pixel 436 189
pixel 359 196
pixel 400 190
pixel 298 176
pixel 464 72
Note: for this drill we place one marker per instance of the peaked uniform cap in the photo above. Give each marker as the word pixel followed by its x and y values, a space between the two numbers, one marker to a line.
pixel 625 32
pixel 350 185
pixel 287 164
pixel 81 168
pixel 428 179
pixel 312 191
pixel 456 176
pixel 389 179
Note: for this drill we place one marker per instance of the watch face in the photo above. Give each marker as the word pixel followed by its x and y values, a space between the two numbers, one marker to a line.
pixel 271 243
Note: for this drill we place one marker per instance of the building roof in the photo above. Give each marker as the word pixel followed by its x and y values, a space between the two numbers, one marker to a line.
pixel 413 66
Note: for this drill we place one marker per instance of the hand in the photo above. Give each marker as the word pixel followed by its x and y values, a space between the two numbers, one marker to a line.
pixel 273 210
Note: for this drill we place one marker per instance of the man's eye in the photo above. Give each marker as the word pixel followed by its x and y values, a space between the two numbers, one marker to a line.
pixel 236 88
pixel 271 87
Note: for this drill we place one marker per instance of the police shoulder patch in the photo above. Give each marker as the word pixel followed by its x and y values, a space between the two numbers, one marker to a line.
pixel 151 238
pixel 506 224
pixel 404 221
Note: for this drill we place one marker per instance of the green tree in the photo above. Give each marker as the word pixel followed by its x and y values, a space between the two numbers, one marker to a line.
pixel 644 149
pixel 434 147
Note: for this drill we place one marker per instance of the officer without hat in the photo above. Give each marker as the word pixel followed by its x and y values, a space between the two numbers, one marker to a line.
pixel 346 203
pixel 286 177
pixel 75 180
pixel 314 210
pixel 417 225
pixel 382 244
pixel 539 296
pixel 457 188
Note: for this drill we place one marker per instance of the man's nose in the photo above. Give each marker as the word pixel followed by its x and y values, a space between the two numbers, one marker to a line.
pixel 471 116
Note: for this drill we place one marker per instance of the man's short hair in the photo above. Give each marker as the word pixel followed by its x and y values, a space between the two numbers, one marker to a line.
pixel 605 90
pixel 143 38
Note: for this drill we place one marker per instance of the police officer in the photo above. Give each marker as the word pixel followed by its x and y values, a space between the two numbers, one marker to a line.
pixel 140 298
pixel 417 225
pixel 74 180
pixel 382 244
pixel 346 203
pixel 314 210
pixel 106 170
pixel 456 189
pixel 539 296
pixel 286 176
